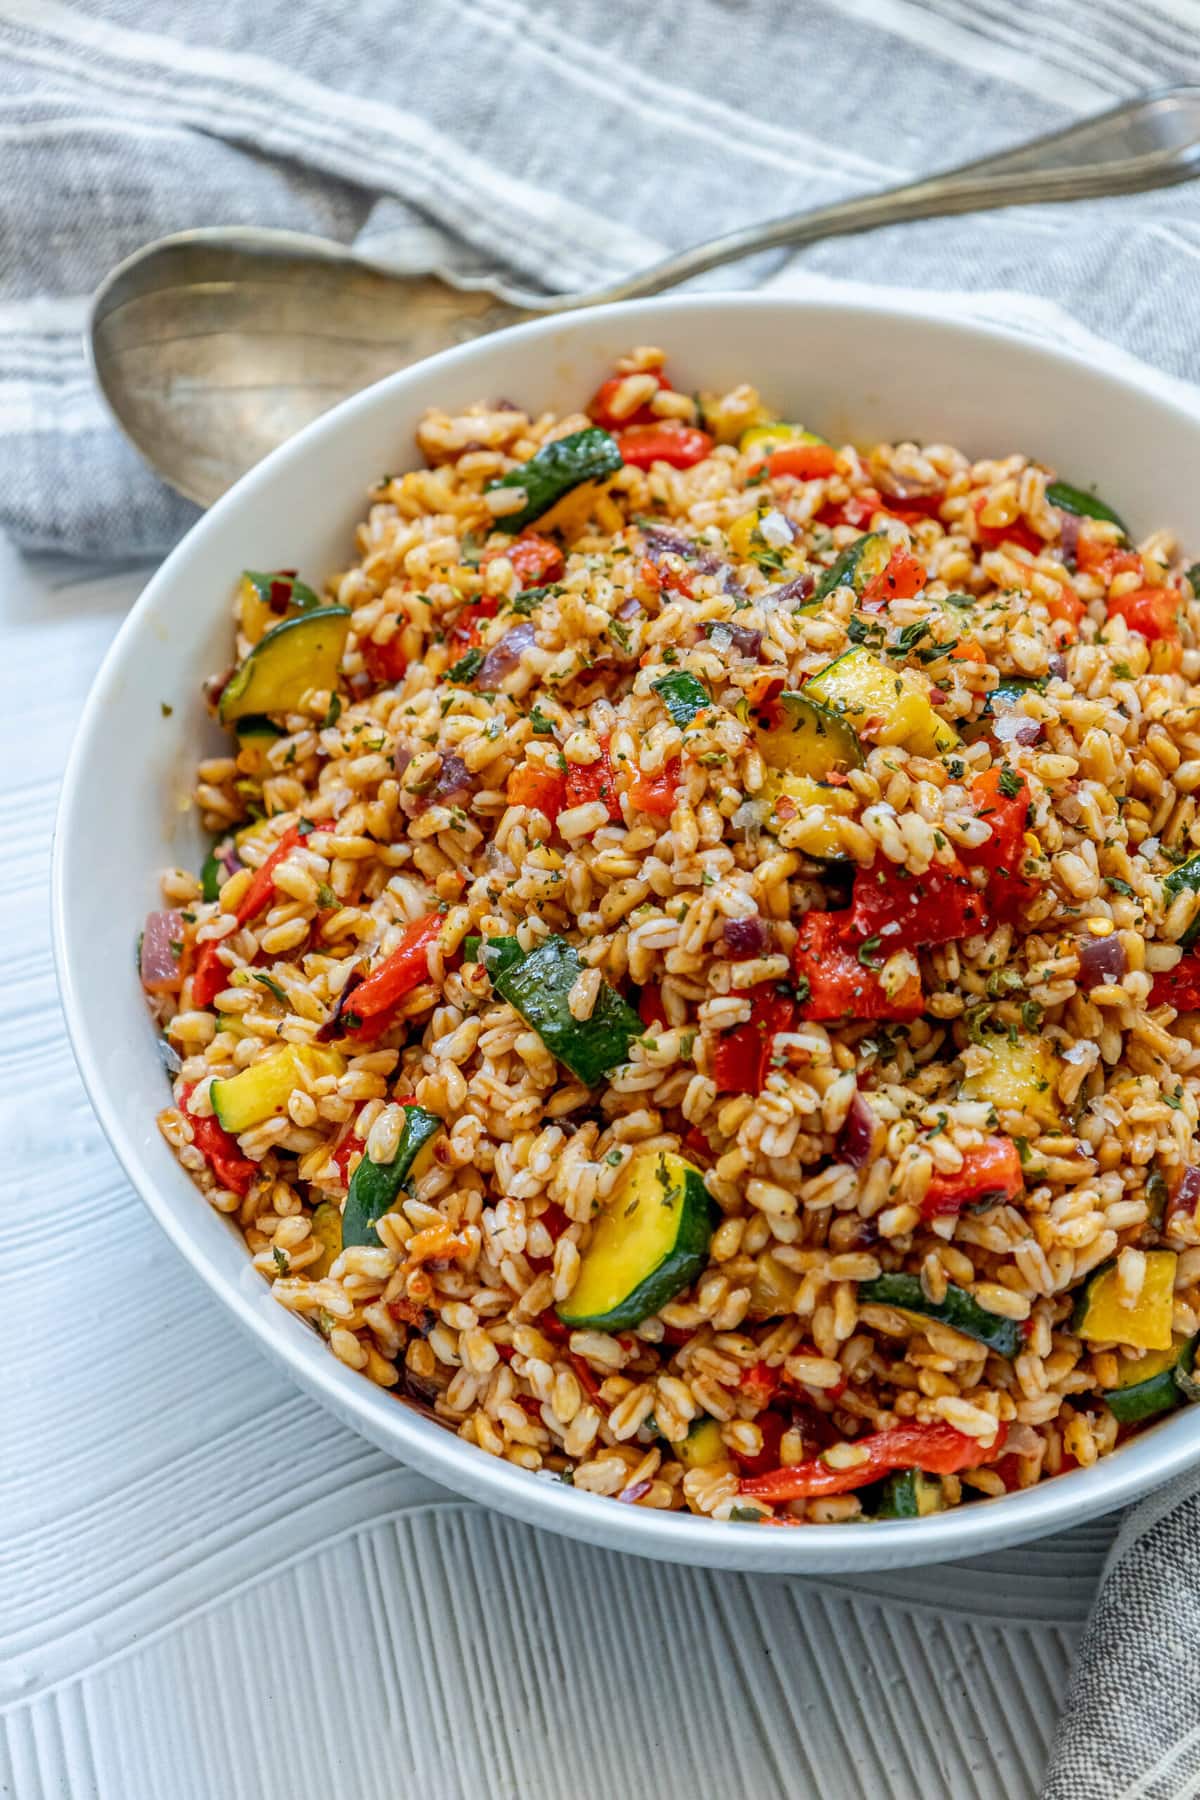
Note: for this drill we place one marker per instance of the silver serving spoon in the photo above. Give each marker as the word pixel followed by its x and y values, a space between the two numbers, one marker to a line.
pixel 212 347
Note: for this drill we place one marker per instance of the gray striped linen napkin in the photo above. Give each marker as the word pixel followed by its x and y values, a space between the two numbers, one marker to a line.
pixel 560 146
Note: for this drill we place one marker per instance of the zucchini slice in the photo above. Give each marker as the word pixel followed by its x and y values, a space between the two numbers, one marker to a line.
pixel 263 1090
pixel 1185 879
pixel 896 702
pixel 703 1446
pixel 1020 1077
pixel 799 792
pixel 1075 500
pixel 266 597
pixel 375 1187
pixel 497 954
pixel 539 986
pixel 650 1244
pixel 326 1231
pixel 959 1310
pixel 909 1494
pixel 1152 1384
pixel 1100 1318
pixel 683 696
pixel 858 564
pixel 212 874
pixel 302 653
pixel 557 468
pixel 806 738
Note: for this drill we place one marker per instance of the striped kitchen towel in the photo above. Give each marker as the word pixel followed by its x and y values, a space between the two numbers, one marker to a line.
pixel 560 145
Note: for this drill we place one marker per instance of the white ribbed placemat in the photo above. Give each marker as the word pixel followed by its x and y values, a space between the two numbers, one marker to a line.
pixel 209 1589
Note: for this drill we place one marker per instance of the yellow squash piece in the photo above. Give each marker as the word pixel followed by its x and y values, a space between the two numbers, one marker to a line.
pixel 1020 1077
pixel 762 439
pixel 703 1446
pixel 1101 1318
pixel 891 706
pixel 326 1231
pixel 790 795
pixel 262 1091
pixel 301 654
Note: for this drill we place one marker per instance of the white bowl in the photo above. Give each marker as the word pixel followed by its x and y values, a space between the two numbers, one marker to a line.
pixel 856 372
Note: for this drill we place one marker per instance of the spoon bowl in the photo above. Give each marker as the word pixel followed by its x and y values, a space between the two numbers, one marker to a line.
pixel 212 347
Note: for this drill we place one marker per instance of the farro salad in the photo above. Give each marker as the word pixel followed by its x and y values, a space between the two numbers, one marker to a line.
pixel 694 985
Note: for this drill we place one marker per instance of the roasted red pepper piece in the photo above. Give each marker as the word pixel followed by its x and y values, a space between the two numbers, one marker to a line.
pixel 651 1010
pixel 1019 532
pixel 533 784
pixel 386 663
pixel 1152 611
pixel 935 908
pixel 1099 557
pixel 742 1060
pixel 655 794
pixel 936 1448
pixel 858 510
pixel 914 507
pixel 903 577
pixel 1005 812
pixel 211 974
pixel 350 1144
pixel 806 462
pixel 840 985
pixel 465 629
pixel 233 1170
pixel 594 781
pixel 536 559
pixel 991 1170
pixel 398 974
pixel 680 445
pixel 772 1425
pixel 599 407
pixel 1179 987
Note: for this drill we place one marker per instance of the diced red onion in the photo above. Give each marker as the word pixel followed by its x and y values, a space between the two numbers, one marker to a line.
pixel 1101 960
pixel 169 1056
pixel 401 757
pixel 162 946
pixel 798 588
pixel 635 1492
pixel 629 609
pixel 333 1025
pixel 503 657
pixel 1186 1194
pixel 1016 728
pixel 857 1134
pixel 741 638
pixel 746 937
pixel 229 859
pixel 1057 665
pixel 1068 524
pixel 453 781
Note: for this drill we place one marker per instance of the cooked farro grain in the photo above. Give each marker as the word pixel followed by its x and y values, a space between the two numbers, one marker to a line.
pixel 694 982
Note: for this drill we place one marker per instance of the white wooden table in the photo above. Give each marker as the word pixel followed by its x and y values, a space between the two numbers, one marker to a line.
pixel 209 1590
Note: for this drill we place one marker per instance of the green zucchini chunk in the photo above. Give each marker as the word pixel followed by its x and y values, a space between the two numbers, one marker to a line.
pixel 555 469
pixel 212 874
pixel 909 1494
pixel 375 1187
pixel 498 954
pixel 649 1245
pixel 1185 879
pixel 804 737
pixel 256 728
pixel 858 564
pixel 302 653
pixel 959 1310
pixel 1075 500
pixel 539 986
pixel 683 696
pixel 1156 1383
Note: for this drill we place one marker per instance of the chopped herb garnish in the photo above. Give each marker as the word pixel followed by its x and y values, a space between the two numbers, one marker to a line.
pixel 1009 783
pixel 867 953
pixel 271 985
pixel 467 667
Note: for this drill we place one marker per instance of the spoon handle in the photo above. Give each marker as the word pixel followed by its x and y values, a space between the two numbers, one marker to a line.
pixel 1153 141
